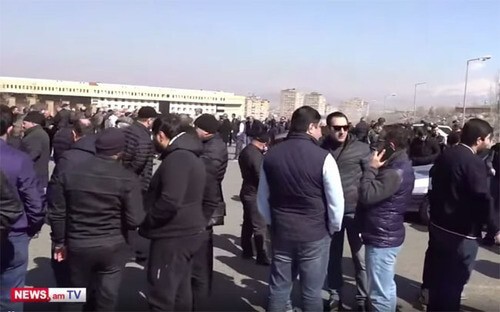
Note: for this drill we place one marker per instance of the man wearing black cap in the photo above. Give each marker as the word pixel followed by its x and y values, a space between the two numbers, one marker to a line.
pixel 250 162
pixel 92 208
pixel 215 157
pixel 36 143
pixel 138 157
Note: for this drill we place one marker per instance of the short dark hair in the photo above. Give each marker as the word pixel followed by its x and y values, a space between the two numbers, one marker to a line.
pixel 6 119
pixel 83 127
pixel 335 115
pixel 397 134
pixel 473 129
pixel 171 125
pixel 302 117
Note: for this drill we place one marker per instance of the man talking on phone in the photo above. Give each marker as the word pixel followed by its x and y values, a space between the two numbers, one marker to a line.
pixel 352 157
pixel 385 193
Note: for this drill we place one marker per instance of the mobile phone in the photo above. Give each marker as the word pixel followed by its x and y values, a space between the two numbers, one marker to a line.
pixel 389 150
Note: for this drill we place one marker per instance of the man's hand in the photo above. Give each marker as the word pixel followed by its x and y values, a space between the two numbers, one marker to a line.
pixel 376 161
pixel 60 253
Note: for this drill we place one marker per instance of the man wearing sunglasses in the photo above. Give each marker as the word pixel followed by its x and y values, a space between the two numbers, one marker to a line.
pixel 352 157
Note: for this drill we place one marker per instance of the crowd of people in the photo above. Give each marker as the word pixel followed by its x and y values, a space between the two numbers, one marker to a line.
pixel 304 193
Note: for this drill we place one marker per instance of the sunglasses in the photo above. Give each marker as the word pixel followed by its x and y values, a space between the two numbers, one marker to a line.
pixel 338 128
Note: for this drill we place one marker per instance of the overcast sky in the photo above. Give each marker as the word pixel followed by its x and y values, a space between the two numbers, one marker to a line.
pixel 343 49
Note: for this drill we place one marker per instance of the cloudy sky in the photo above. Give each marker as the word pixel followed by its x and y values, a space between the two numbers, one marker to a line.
pixel 343 49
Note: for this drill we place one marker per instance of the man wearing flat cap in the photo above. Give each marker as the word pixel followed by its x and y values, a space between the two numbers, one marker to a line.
pixel 36 143
pixel 92 208
pixel 215 157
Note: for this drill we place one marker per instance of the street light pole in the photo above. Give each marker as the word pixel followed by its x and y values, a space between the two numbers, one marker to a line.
pixel 385 98
pixel 415 99
pixel 482 59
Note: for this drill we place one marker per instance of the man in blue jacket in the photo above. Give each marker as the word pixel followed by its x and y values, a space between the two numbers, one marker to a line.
pixel 19 170
pixel 385 193
pixel 300 195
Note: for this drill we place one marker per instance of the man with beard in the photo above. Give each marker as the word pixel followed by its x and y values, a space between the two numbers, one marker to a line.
pixel 215 157
pixel 175 222
pixel 250 162
pixel 352 157
pixel 93 205
pixel 460 203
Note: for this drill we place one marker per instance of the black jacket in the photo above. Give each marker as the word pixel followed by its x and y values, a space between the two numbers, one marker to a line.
pixel 424 152
pixel 250 161
pixel 215 157
pixel 459 196
pixel 80 151
pixel 352 158
pixel 175 196
pixel 36 144
pixel 94 203
pixel 62 119
pixel 11 208
pixel 62 141
pixel 139 152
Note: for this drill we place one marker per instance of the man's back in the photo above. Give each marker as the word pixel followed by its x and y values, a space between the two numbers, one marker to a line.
pixel 102 199
pixel 294 171
pixel 138 154
pixel 459 196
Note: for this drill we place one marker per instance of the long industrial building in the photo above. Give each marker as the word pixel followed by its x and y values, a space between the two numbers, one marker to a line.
pixel 26 91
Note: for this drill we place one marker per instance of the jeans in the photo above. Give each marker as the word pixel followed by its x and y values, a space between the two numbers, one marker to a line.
pixel 310 260
pixel 335 279
pixel 240 143
pixel 450 265
pixel 13 267
pixel 380 270
pixel 99 269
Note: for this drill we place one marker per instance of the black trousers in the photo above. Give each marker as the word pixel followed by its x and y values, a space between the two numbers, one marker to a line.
pixel 254 226
pixel 202 274
pixel 450 263
pixel 99 269
pixel 170 266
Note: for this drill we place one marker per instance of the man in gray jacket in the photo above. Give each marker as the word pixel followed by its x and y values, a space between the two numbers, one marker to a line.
pixel 352 157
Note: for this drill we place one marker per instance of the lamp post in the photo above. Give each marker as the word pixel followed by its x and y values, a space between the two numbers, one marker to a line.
pixel 482 59
pixel 415 98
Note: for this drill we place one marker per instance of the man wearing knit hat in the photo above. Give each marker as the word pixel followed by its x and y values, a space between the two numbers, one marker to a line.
pixel 215 157
pixel 36 143
pixel 250 161
pixel 92 208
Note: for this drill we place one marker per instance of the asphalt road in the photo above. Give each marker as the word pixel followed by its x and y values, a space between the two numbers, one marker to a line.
pixel 240 285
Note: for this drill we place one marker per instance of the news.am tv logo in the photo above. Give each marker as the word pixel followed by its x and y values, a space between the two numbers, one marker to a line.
pixel 48 294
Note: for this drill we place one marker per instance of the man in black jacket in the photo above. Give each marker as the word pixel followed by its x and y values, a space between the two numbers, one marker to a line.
pixel 250 162
pixel 91 208
pixel 424 150
pixel 215 157
pixel 82 150
pixel 460 204
pixel 138 158
pixel 352 157
pixel 175 222
pixel 36 143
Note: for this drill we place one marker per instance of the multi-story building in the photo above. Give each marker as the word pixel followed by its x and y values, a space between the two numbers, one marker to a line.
pixel 354 108
pixel 26 91
pixel 291 99
pixel 256 107
pixel 317 101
